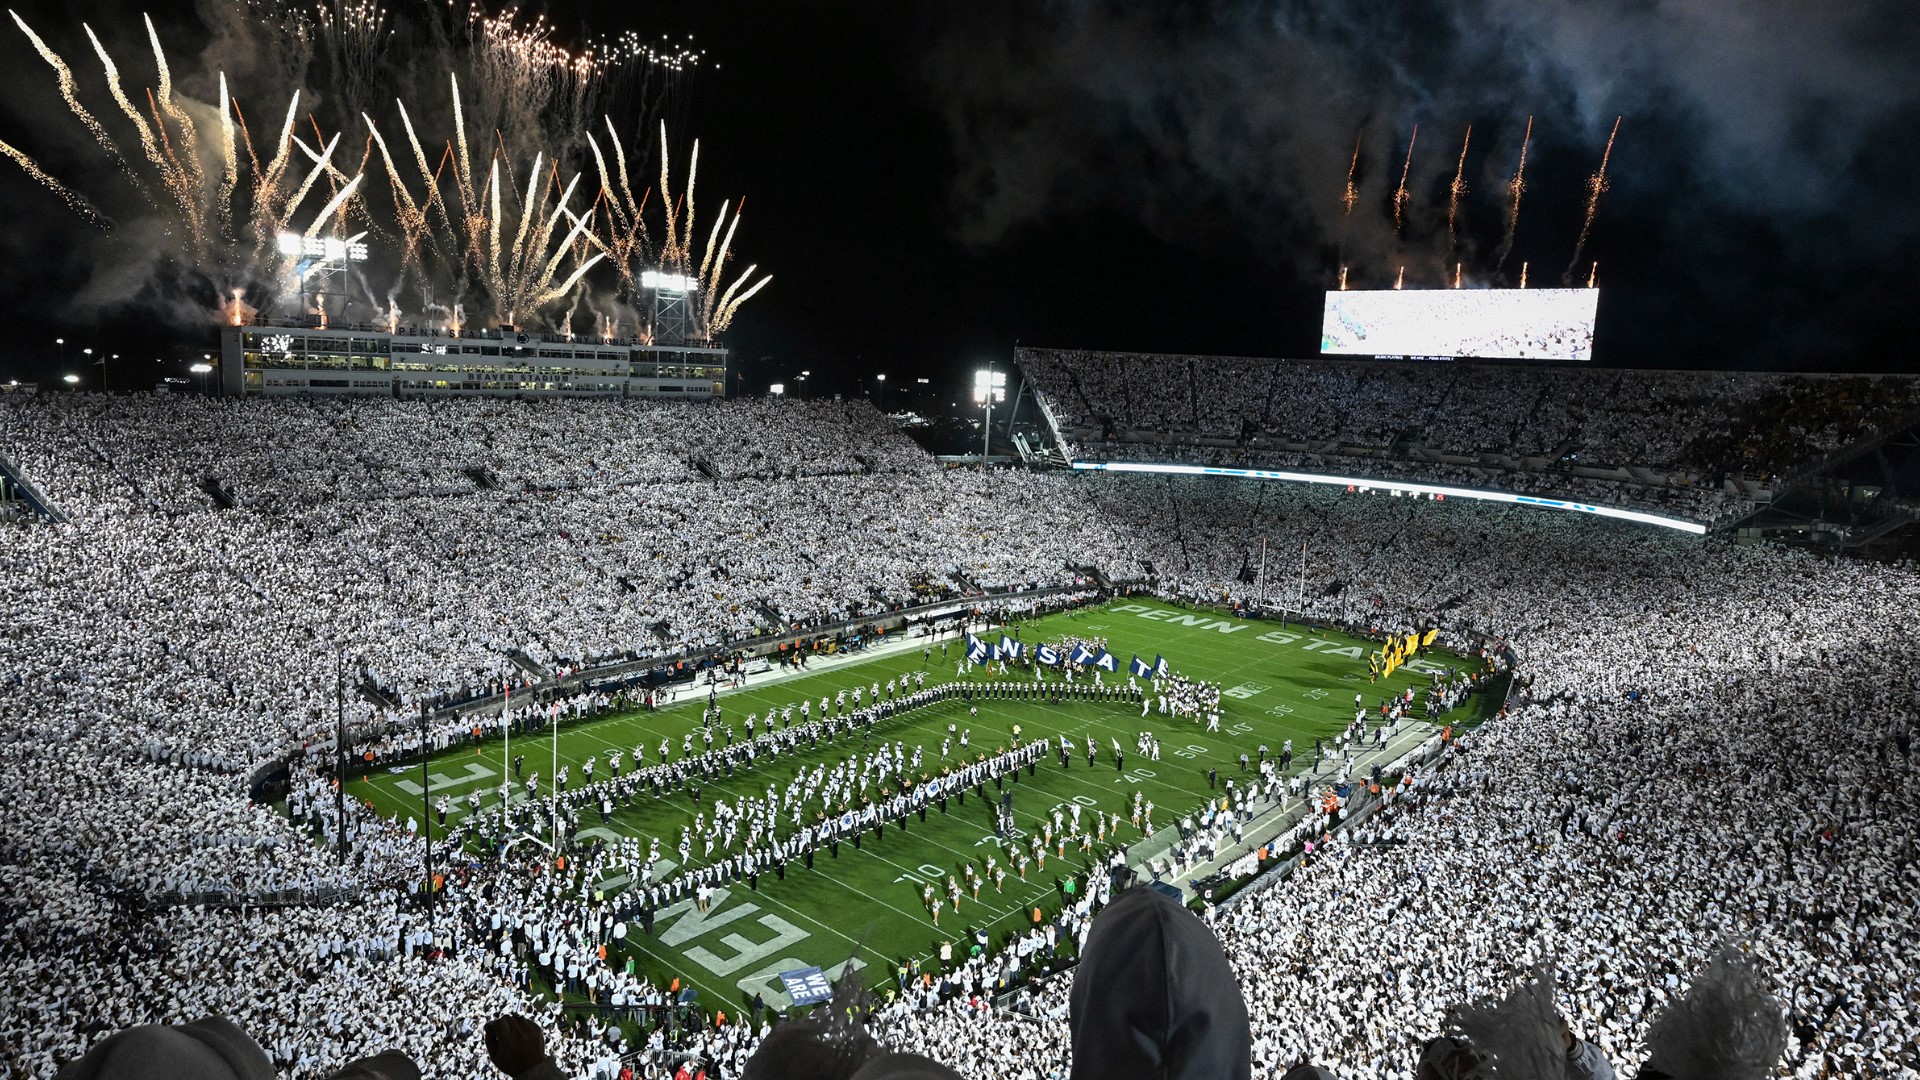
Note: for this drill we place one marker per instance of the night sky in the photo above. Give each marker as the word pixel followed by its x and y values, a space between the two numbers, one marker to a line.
pixel 930 184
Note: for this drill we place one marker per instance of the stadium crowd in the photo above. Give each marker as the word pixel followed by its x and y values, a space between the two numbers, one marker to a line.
pixel 1709 743
pixel 1668 441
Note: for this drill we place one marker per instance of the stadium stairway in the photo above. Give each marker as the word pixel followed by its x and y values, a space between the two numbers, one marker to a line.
pixel 221 494
pixel 1274 820
pixel 529 665
pixel 24 490
pixel 375 697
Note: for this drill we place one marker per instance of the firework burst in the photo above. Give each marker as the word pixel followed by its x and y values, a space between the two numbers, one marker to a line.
pixel 1351 194
pixel 1596 184
pixel 490 218
pixel 1400 194
pixel 1516 187
pixel 1457 189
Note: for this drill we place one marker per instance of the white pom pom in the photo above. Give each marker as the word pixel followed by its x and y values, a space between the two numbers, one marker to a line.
pixel 1728 1026
pixel 1517 1037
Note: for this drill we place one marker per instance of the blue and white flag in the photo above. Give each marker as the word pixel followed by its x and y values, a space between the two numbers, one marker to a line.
pixel 1010 648
pixel 1139 668
pixel 976 650
pixel 993 652
pixel 807 986
pixel 1159 666
pixel 1106 661
pixel 1048 655
pixel 1082 654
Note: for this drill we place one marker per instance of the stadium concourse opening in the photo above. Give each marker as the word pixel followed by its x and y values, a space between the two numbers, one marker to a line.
pixel 895 890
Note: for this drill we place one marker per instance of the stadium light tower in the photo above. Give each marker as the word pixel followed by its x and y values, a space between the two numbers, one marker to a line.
pixel 202 369
pixel 881 378
pixel 672 311
pixel 989 387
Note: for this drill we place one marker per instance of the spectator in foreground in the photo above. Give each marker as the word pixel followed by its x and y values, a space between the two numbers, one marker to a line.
pixel 210 1048
pixel 1156 998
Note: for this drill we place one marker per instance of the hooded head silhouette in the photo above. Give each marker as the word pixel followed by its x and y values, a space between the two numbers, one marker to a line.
pixel 1155 998
pixel 210 1048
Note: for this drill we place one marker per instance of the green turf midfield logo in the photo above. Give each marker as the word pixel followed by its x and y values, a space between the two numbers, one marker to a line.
pixel 684 922
pixel 1174 618
pixel 1169 617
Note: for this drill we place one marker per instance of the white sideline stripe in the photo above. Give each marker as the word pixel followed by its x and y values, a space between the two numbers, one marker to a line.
pixel 1641 516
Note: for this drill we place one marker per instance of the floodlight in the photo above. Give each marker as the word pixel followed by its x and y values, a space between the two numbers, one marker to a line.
pixel 671 283
pixel 71 378
pixel 289 243
pixel 201 369
pixel 777 389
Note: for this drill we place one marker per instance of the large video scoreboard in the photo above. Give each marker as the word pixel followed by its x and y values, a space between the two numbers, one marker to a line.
pixel 1515 324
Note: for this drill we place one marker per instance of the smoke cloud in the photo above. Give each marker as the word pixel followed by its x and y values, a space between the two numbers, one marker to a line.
pixel 1784 123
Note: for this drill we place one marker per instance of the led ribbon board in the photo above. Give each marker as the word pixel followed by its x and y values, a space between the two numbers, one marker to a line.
pixel 1408 486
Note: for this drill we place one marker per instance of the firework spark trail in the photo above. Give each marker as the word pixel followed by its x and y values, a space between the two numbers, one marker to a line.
pixel 1596 184
pixel 67 94
pixel 1457 189
pixel 413 221
pixel 216 215
pixel 626 226
pixel 1400 195
pixel 246 137
pixel 620 160
pixel 493 233
pixel 725 317
pixel 334 204
pixel 189 140
pixel 277 168
pixel 666 194
pixel 1352 194
pixel 713 240
pixel 726 244
pixel 518 258
pixel 229 160
pixel 685 254
pixel 427 173
pixel 335 175
pixel 1516 187
pixel 140 125
pixel 540 289
pixel 473 204
pixel 300 193
pixel 75 202
pixel 730 304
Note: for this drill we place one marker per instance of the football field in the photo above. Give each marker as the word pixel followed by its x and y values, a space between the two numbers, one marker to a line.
pixel 864 905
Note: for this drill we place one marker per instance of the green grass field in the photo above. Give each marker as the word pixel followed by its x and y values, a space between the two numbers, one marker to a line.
pixel 865 904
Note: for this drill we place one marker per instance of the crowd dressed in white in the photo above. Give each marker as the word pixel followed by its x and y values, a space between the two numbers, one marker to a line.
pixel 1710 743
pixel 1684 442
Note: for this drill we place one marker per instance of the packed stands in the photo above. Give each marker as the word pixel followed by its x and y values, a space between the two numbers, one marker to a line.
pixel 1706 742
pixel 1703 444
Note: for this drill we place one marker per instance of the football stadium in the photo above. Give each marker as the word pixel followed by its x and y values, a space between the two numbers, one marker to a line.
pixel 466 619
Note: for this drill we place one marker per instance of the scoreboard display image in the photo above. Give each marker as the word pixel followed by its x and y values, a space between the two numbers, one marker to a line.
pixel 1504 324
